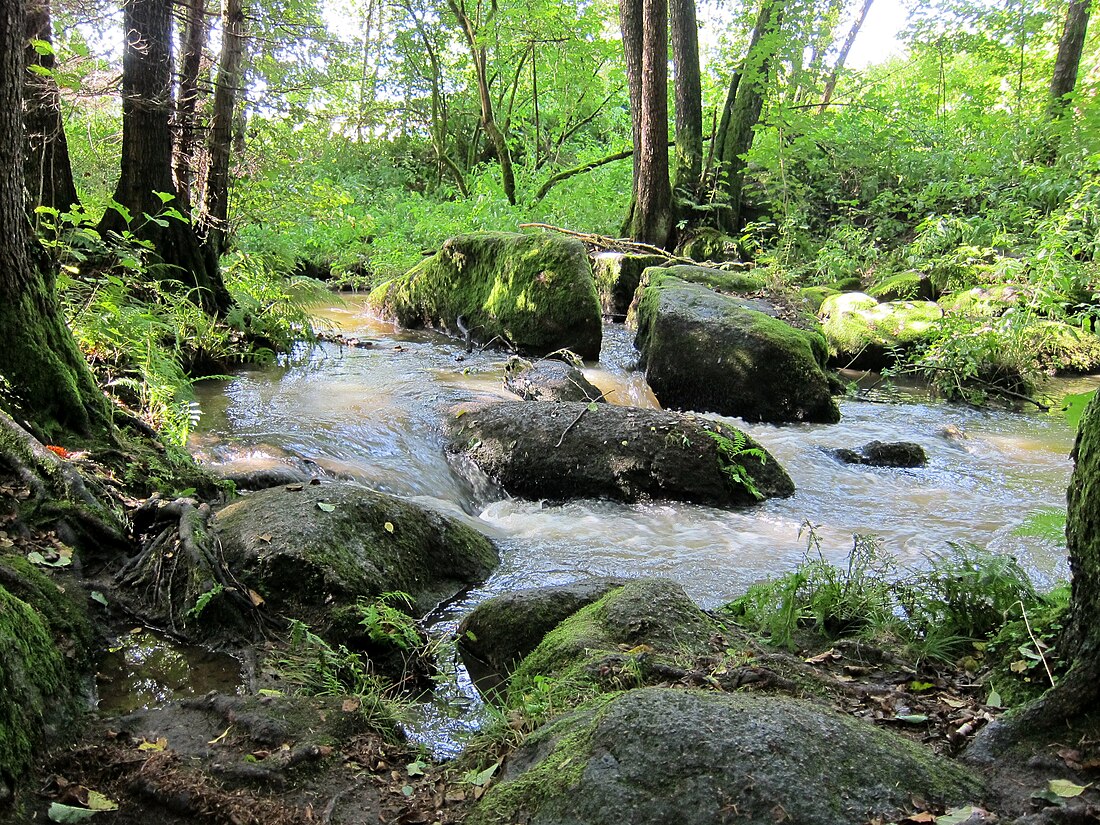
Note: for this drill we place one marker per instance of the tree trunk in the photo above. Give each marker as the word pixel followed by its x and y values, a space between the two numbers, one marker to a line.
pixel 187 94
pixel 841 58
pixel 146 172
pixel 744 104
pixel 480 56
pixel 49 175
pixel 45 382
pixel 630 24
pixel 1077 694
pixel 689 101
pixel 652 211
pixel 215 213
pixel 1070 47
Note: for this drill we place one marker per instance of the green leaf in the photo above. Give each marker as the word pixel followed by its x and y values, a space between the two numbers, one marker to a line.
pixel 1066 789
pixel 164 196
pixel 416 768
pixel 479 779
pixel 100 802
pixel 41 71
pixel 96 596
pixel 593 406
pixel 388 526
pixel 324 505
pixel 920 686
pixel 43 47
pixel 994 700
pixel 67 813
pixel 959 815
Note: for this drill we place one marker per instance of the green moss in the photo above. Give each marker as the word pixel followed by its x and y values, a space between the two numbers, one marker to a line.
pixel 719 279
pixel 65 618
pixel 815 296
pixel 536 291
pixel 34 683
pixel 570 744
pixel 855 323
pixel 707 244
pixel 983 301
pixel 905 286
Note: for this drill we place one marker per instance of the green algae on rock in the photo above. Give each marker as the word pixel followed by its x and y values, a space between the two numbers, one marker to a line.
pixel 864 334
pixel 708 352
pixel 656 755
pixel 536 291
pixel 311 553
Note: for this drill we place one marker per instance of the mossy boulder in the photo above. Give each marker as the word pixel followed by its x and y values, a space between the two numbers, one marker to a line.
pixel 1063 348
pixel 312 551
pixel 905 286
pixel 577 450
pixel 654 756
pixel 501 631
pixel 617 276
pixel 45 648
pixel 814 296
pixel 707 244
pixel 709 352
pixel 535 291
pixel 621 640
pixel 984 301
pixel 548 380
pixel 864 334
pixel 736 281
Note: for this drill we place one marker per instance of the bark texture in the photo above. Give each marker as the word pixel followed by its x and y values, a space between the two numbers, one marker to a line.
pixel 842 57
pixel 689 100
pixel 147 157
pixel 1068 61
pixel 44 381
pixel 226 90
pixel 187 96
pixel 49 175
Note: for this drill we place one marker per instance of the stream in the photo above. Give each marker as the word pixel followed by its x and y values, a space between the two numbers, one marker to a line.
pixel 373 413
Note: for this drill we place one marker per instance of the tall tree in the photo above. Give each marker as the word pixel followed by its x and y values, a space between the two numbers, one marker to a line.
pixel 44 380
pixel 744 102
pixel 689 100
pixel 842 57
pixel 227 88
pixel 472 25
pixel 49 174
pixel 146 184
pixel 1071 45
pixel 187 93
pixel 645 40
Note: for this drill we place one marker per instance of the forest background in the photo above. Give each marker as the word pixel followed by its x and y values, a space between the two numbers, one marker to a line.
pixel 346 139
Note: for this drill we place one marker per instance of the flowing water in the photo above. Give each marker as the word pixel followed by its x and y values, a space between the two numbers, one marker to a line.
pixel 374 413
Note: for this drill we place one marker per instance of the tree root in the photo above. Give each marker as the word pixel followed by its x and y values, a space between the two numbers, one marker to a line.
pixel 180 580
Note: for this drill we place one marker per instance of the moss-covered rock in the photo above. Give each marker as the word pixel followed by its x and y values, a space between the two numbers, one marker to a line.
pixel 905 286
pixel 707 244
pixel 709 352
pixel 617 276
pixel 575 450
pixel 536 291
pixel 548 380
pixel 659 755
pixel 743 281
pixel 618 641
pixel 1063 348
pixel 311 553
pixel 502 630
pixel 814 296
pixel 864 334
pixel 45 649
pixel 984 301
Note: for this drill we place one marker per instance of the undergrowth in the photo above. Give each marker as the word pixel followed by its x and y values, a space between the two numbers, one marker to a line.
pixel 965 603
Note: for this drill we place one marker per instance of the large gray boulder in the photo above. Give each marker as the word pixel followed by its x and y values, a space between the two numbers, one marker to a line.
pixel 312 551
pixel 710 352
pixel 617 277
pixel 535 291
pixel 653 756
pixel 576 450
pixel 548 380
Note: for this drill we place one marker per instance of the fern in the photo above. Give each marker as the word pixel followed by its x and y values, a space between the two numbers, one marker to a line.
pixel 732 450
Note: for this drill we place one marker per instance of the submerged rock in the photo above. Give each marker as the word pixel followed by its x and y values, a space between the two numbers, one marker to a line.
pixel 654 756
pixel 709 352
pixel 885 454
pixel 312 552
pixel 535 291
pixel 502 630
pixel 617 278
pixel 548 380
pixel 575 450
pixel 864 334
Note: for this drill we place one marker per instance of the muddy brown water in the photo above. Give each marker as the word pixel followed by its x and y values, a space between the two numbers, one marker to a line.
pixel 374 413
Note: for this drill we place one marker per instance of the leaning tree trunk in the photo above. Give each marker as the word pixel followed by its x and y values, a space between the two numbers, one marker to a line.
pixel 45 383
pixel 146 173
pixel 49 175
pixel 1068 61
pixel 227 87
pixel 652 209
pixel 741 113
pixel 842 58
pixel 689 101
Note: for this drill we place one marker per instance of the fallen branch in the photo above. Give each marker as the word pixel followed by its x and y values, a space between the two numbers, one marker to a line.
pixel 605 242
pixel 578 418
